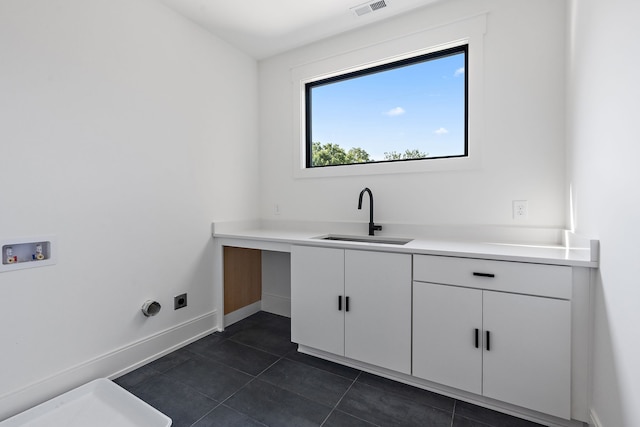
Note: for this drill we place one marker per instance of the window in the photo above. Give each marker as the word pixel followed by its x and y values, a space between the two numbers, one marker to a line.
pixel 403 111
pixel 434 45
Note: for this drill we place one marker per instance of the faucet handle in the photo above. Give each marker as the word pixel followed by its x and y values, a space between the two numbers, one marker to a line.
pixel 373 227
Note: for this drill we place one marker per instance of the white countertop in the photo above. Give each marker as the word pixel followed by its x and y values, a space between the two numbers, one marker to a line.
pixel 583 254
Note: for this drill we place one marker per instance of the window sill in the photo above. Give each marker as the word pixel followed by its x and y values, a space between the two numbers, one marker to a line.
pixel 413 166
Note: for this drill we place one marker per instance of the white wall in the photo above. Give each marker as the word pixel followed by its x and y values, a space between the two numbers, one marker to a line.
pixel 125 131
pixel 603 173
pixel 276 283
pixel 522 148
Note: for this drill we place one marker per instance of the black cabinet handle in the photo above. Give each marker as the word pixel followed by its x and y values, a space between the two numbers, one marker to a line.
pixel 483 274
pixel 340 303
pixel 477 337
pixel 346 303
pixel 488 341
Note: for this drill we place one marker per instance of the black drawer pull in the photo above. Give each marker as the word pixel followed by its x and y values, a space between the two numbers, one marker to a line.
pixel 340 303
pixel 488 341
pixel 346 303
pixel 483 274
pixel 477 337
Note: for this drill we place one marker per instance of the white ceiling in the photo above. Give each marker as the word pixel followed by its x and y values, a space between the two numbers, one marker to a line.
pixel 263 28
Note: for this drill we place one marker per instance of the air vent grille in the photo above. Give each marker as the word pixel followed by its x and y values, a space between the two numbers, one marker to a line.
pixel 363 9
pixel 378 5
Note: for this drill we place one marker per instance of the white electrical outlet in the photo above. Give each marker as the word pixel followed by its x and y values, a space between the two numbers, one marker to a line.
pixel 520 209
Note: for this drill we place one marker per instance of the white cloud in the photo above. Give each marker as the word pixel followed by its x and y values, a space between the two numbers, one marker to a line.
pixel 440 131
pixel 459 72
pixel 398 111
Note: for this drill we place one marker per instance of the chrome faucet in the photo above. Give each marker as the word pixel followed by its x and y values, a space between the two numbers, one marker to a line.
pixel 372 226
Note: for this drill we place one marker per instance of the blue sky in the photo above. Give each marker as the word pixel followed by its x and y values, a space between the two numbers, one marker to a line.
pixel 418 106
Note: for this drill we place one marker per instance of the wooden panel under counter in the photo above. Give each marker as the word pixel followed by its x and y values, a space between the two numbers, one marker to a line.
pixel 242 277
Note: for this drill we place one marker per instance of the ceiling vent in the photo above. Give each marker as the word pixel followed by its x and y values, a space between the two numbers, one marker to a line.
pixel 363 9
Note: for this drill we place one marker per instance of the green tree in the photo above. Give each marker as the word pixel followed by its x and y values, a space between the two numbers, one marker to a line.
pixel 358 155
pixel 332 154
pixel 392 155
pixel 408 154
pixel 327 154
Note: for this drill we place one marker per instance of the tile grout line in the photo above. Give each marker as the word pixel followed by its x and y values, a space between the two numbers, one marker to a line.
pixel 227 398
pixel 400 395
pixel 341 397
pixel 256 348
pixel 317 368
pixel 284 357
pixel 218 361
pixel 220 403
pixel 335 408
pixel 162 374
pixel 453 412
pixel 207 413
pixel 237 391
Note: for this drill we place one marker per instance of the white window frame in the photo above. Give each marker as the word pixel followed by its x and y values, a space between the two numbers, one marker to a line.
pixel 469 31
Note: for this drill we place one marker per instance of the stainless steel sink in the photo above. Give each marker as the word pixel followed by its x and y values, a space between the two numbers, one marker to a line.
pixel 365 239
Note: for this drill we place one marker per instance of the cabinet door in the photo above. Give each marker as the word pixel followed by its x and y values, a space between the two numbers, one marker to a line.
pixel 317 280
pixel 445 320
pixel 528 362
pixel 378 323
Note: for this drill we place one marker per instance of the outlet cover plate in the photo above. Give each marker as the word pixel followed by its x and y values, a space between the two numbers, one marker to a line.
pixel 520 209
pixel 179 301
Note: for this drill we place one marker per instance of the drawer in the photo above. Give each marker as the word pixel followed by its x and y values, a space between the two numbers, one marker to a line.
pixel 531 279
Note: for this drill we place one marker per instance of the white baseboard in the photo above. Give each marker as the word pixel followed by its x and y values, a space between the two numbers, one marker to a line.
pixel 241 313
pixel 595 420
pixel 269 303
pixel 276 304
pixel 109 365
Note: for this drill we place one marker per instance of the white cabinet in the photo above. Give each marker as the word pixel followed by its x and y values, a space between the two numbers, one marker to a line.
pixel 317 283
pixel 377 327
pixel 504 345
pixel 353 303
pixel 445 320
pixel 493 328
pixel 528 362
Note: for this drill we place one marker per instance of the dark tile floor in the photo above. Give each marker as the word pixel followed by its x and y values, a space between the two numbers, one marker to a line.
pixel 252 375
